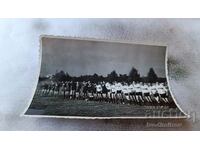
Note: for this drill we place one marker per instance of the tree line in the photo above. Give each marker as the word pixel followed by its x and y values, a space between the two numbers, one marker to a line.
pixel 133 75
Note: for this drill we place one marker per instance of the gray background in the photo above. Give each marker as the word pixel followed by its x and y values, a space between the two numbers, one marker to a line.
pixel 83 57
pixel 19 61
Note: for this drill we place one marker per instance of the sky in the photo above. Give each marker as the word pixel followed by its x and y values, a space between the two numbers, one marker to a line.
pixel 84 57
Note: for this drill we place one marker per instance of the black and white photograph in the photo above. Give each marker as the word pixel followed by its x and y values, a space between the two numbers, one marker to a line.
pixel 102 79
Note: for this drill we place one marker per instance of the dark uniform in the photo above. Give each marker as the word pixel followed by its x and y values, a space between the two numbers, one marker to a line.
pixel 105 92
pixel 69 88
pixel 73 90
pixel 85 90
pixel 64 89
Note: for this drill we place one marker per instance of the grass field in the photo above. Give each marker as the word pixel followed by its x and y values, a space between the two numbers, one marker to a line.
pixel 59 107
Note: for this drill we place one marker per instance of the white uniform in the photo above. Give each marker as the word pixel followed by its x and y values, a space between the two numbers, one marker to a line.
pixel 137 88
pixel 118 87
pixel 153 89
pixel 161 89
pixel 145 89
pixel 108 86
pixel 131 88
pixel 125 89
pixel 113 88
pixel 99 88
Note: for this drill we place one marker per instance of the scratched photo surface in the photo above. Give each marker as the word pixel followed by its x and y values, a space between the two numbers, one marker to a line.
pixel 91 78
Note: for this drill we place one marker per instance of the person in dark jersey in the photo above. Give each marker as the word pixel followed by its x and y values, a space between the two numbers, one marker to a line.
pixel 85 90
pixel 105 93
pixel 69 89
pixel 73 91
pixel 65 89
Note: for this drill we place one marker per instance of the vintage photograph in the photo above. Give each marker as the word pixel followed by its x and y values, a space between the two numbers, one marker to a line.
pixel 102 79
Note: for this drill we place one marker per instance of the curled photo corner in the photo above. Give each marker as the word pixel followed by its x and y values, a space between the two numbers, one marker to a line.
pixel 102 79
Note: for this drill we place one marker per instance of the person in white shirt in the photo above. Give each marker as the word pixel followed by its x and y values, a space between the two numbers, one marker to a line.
pixel 162 91
pixel 125 91
pixel 108 86
pixel 146 92
pixel 99 90
pixel 138 92
pixel 119 91
pixel 154 93
pixel 131 89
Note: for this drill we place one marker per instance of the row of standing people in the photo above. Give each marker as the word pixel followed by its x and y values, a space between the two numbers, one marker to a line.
pixel 115 92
